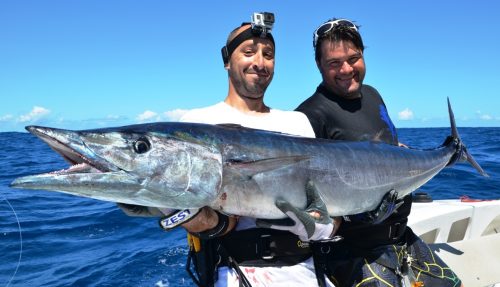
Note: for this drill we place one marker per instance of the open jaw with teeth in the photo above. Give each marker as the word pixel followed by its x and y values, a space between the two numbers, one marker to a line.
pixel 79 163
pixel 77 168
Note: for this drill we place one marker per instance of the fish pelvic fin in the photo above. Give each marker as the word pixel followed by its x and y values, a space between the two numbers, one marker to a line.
pixel 461 154
pixel 249 169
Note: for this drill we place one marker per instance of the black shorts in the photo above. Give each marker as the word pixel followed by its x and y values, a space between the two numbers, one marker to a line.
pixel 384 265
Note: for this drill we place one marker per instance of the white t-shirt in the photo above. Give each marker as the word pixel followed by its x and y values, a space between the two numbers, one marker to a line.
pixel 290 122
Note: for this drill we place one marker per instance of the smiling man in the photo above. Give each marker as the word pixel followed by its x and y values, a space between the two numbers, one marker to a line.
pixel 342 106
pixel 342 67
pixel 375 251
pixel 236 251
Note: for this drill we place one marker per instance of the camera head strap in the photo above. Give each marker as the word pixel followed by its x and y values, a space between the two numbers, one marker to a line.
pixel 261 26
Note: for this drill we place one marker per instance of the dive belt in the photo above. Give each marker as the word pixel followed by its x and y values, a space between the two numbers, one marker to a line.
pixel 368 237
pixel 262 247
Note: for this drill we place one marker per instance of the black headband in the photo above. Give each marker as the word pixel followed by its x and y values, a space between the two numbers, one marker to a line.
pixel 243 36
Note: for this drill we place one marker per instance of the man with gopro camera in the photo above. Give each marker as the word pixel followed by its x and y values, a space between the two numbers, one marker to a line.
pixel 234 251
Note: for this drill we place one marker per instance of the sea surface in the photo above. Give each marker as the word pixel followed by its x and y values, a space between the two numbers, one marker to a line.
pixel 53 239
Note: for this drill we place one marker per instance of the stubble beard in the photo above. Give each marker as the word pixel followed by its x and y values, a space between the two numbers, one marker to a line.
pixel 250 90
pixel 338 89
pixel 354 94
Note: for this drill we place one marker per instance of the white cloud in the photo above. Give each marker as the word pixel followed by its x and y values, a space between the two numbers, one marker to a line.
pixel 148 116
pixel 405 114
pixel 35 114
pixel 174 115
pixel 486 117
pixel 6 118
pixel 112 117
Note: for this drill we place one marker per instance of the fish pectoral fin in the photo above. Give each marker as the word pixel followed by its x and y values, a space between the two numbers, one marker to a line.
pixel 250 168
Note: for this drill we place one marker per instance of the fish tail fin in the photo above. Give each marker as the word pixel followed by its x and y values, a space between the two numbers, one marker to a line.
pixel 462 153
pixel 454 131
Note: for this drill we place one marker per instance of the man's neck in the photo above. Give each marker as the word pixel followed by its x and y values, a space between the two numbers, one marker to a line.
pixel 353 96
pixel 247 104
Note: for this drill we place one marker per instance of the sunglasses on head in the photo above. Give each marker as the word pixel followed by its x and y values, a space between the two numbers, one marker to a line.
pixel 328 26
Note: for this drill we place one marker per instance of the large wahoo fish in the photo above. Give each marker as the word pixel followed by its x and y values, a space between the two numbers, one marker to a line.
pixel 234 169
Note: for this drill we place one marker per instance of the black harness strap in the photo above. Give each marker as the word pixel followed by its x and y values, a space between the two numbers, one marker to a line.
pixel 210 276
pixel 233 264
pixel 321 251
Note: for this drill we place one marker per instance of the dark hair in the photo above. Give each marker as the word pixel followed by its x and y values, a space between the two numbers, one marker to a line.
pixel 337 34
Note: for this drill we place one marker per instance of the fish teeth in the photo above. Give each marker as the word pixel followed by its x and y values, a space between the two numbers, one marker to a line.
pixel 81 167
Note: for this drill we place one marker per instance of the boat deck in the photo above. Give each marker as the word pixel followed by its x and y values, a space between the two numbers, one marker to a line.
pixel 465 234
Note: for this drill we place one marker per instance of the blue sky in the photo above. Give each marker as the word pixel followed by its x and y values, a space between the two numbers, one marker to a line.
pixel 87 64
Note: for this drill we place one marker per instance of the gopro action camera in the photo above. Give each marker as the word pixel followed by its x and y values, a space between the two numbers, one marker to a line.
pixel 262 23
pixel 261 26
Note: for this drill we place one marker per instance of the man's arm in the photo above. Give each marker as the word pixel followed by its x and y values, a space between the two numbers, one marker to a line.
pixel 205 222
pixel 209 223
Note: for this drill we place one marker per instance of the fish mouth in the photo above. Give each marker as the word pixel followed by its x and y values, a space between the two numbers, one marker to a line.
pixel 85 166
pixel 88 174
pixel 72 149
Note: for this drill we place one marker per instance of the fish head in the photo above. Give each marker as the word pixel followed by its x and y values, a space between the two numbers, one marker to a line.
pixel 134 165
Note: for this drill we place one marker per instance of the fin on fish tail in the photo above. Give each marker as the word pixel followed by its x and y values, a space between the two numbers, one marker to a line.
pixel 462 153
pixel 454 131
pixel 473 162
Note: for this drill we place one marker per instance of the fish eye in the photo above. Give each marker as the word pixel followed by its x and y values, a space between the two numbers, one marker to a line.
pixel 142 145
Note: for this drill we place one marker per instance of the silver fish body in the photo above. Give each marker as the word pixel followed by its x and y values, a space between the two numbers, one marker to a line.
pixel 233 169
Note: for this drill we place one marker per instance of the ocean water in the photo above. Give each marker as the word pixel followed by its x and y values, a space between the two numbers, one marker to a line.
pixel 53 239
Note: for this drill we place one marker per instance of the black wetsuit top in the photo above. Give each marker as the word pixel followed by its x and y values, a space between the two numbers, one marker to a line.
pixel 361 119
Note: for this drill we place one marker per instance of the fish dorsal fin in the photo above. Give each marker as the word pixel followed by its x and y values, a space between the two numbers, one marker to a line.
pixel 250 168
pixel 229 125
pixel 240 127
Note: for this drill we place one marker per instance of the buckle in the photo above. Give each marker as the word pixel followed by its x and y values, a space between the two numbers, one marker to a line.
pixel 263 247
